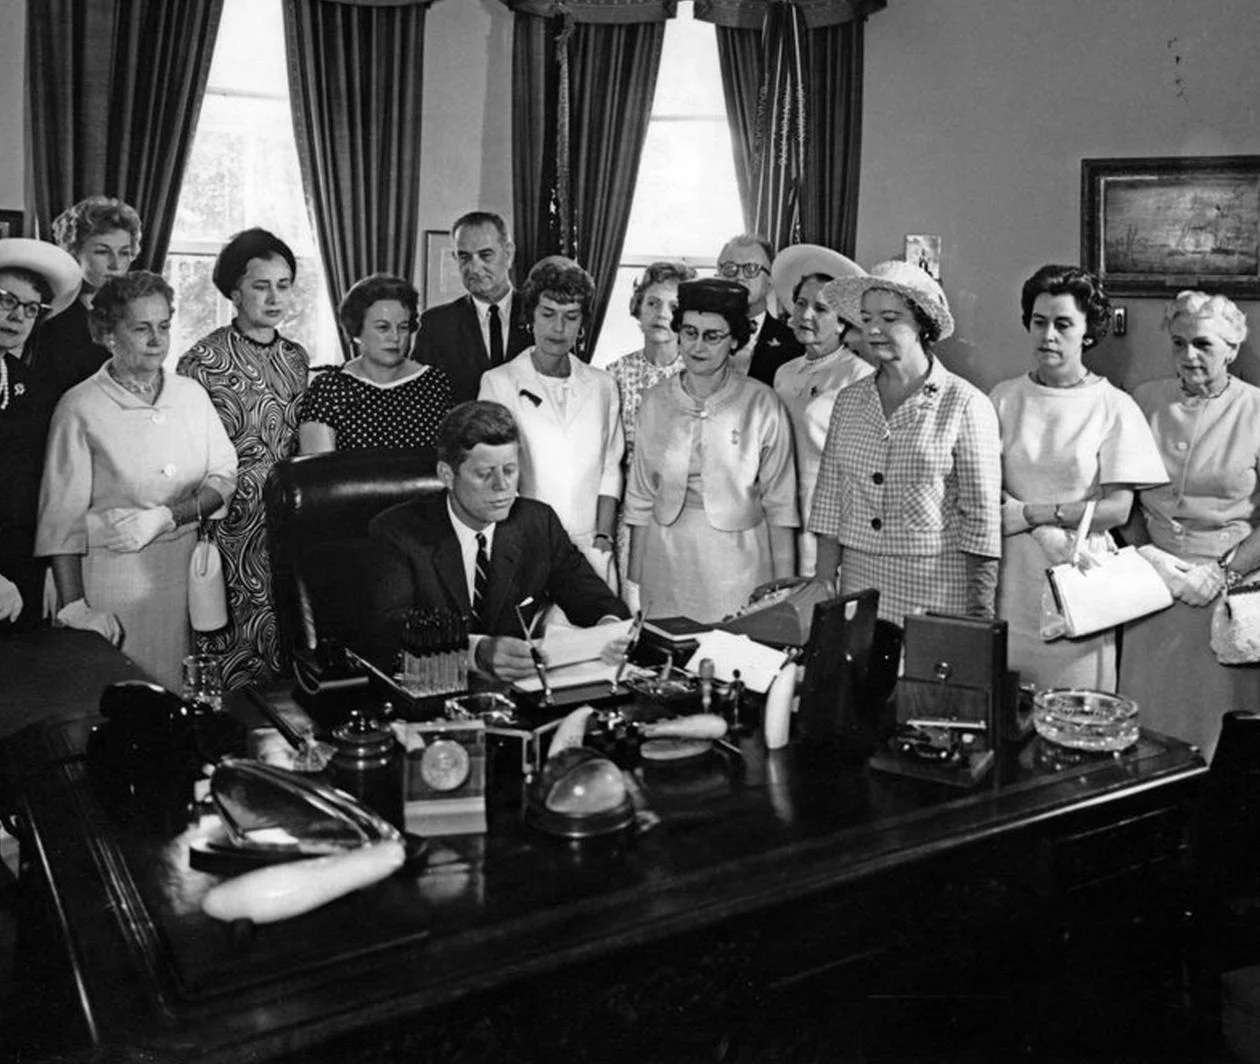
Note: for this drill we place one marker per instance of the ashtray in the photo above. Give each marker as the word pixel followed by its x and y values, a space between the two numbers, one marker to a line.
pixel 491 707
pixel 1081 719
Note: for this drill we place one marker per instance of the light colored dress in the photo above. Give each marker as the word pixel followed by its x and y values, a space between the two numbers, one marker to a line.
pixel 908 496
pixel 108 448
pixel 571 443
pixel 808 388
pixel 708 480
pixel 634 374
pixel 256 388
pixel 1062 445
pixel 1211 448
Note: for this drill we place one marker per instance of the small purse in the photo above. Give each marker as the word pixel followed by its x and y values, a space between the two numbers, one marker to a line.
pixel 207 593
pixel 1236 623
pixel 1120 587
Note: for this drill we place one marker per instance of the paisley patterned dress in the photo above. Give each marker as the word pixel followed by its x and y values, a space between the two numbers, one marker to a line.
pixel 256 389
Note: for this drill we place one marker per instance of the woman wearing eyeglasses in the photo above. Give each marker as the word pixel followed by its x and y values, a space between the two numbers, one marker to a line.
pixel 711 499
pixel 380 398
pixel 37 281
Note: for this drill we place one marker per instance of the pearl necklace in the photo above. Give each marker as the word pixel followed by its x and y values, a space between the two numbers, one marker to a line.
pixel 4 382
pixel 144 391
pixel 1038 379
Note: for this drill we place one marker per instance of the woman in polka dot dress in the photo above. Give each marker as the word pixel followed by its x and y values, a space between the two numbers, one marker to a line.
pixel 380 398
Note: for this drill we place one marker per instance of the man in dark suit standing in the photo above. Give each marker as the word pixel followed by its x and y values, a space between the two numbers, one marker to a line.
pixel 746 259
pixel 480 550
pixel 482 329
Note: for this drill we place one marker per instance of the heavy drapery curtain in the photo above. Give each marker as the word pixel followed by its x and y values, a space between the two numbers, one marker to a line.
pixel 355 79
pixel 583 78
pixel 115 90
pixel 792 80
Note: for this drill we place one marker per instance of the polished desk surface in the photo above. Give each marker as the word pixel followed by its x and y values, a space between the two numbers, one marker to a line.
pixel 735 836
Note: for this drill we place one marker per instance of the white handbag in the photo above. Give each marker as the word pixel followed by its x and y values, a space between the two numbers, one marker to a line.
pixel 207 594
pixel 1236 623
pixel 1120 586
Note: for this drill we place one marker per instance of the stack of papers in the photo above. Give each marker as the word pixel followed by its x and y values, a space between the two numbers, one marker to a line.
pixel 757 663
pixel 573 656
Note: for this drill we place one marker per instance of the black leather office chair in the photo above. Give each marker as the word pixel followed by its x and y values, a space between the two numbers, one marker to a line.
pixel 318 508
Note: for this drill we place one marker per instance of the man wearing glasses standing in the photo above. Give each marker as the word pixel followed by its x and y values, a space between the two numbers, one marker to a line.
pixel 746 259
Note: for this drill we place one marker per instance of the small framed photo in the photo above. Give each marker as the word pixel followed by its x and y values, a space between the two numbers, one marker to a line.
pixel 1150 227
pixel 10 224
pixel 924 250
pixel 441 274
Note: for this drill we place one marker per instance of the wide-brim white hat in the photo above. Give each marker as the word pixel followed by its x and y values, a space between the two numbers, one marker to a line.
pixel 57 267
pixel 802 260
pixel 909 281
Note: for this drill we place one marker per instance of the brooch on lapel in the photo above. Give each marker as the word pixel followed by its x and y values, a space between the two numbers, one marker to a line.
pixel 735 437
pixel 931 389
pixel 19 389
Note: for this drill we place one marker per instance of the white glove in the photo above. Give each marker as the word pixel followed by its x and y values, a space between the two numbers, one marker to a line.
pixel 10 600
pixel 128 531
pixel 1202 583
pixel 1056 542
pixel 631 596
pixel 1172 570
pixel 78 614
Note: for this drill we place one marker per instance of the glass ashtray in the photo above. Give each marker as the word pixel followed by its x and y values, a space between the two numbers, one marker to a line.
pixel 495 709
pixel 1081 719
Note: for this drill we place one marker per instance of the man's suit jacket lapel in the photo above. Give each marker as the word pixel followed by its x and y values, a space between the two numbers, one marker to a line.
pixel 504 559
pixel 470 333
pixel 448 563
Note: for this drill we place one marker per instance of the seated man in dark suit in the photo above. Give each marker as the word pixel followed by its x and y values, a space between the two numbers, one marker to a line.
pixel 484 328
pixel 747 259
pixel 435 550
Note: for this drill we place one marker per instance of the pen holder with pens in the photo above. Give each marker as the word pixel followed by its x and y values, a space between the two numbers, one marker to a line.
pixel 435 653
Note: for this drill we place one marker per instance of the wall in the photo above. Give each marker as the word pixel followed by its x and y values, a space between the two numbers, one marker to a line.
pixel 467 115
pixel 976 114
pixel 13 105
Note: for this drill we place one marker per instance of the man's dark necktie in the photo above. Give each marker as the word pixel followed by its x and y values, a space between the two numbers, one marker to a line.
pixel 481 576
pixel 496 336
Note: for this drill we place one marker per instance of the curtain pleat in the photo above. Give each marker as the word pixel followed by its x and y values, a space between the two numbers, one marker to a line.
pixel 794 106
pixel 116 89
pixel 355 84
pixel 612 72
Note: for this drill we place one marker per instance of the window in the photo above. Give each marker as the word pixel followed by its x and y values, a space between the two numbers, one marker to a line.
pixel 686 201
pixel 242 172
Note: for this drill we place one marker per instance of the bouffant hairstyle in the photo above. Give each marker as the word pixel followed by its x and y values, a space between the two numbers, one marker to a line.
pixel 1086 289
pixel 110 303
pixel 662 272
pixel 1230 322
pixel 715 295
pixel 560 279
pixel 90 217
pixel 371 290
pixel 248 244
pixel 466 425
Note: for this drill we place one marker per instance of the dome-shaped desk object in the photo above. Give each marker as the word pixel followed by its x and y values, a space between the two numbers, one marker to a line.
pixel 580 793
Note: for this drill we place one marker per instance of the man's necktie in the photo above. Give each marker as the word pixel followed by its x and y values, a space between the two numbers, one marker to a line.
pixel 481 575
pixel 496 336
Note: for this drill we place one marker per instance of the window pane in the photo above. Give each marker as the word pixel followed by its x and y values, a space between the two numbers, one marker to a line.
pixel 690 81
pixel 249 53
pixel 620 333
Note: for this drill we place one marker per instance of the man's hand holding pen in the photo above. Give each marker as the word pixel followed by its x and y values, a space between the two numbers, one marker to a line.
pixel 507 657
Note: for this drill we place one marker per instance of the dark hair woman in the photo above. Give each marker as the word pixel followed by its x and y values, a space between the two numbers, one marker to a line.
pixel 1068 437
pixel 256 378
pixel 380 398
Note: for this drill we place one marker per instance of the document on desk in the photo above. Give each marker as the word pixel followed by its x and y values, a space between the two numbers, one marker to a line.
pixel 573 655
pixel 758 664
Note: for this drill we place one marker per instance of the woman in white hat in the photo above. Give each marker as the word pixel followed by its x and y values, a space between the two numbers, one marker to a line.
pixel 910 480
pixel 1068 436
pixel 809 383
pixel 37 281
pixel 136 458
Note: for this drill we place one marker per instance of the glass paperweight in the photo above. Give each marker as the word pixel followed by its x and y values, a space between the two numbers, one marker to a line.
pixel 579 794
pixel 1081 719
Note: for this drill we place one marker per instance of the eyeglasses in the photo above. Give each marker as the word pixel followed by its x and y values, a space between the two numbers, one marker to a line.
pixel 690 334
pixel 747 270
pixel 9 303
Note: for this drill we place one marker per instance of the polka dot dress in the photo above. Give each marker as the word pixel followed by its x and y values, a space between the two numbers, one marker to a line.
pixel 363 415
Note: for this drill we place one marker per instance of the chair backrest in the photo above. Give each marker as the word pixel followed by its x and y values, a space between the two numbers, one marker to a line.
pixel 318 508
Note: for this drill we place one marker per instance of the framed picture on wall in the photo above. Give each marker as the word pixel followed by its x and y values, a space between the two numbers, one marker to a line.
pixel 1151 227
pixel 10 224
pixel 441 274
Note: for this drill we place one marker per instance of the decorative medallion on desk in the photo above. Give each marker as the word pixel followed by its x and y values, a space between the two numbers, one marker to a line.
pixel 444 765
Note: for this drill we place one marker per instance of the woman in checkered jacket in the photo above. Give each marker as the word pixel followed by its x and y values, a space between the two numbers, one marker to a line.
pixel 910 481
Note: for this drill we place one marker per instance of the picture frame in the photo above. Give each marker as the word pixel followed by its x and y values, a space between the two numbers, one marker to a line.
pixel 11 223
pixel 1155 226
pixel 441 274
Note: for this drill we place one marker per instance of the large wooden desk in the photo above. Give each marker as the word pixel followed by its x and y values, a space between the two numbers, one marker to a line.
pixel 779 909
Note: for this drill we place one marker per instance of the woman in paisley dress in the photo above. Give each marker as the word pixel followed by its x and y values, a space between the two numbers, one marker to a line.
pixel 256 379
pixel 652 305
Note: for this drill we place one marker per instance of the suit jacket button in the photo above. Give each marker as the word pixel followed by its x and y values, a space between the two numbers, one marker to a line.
pixel 876 523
